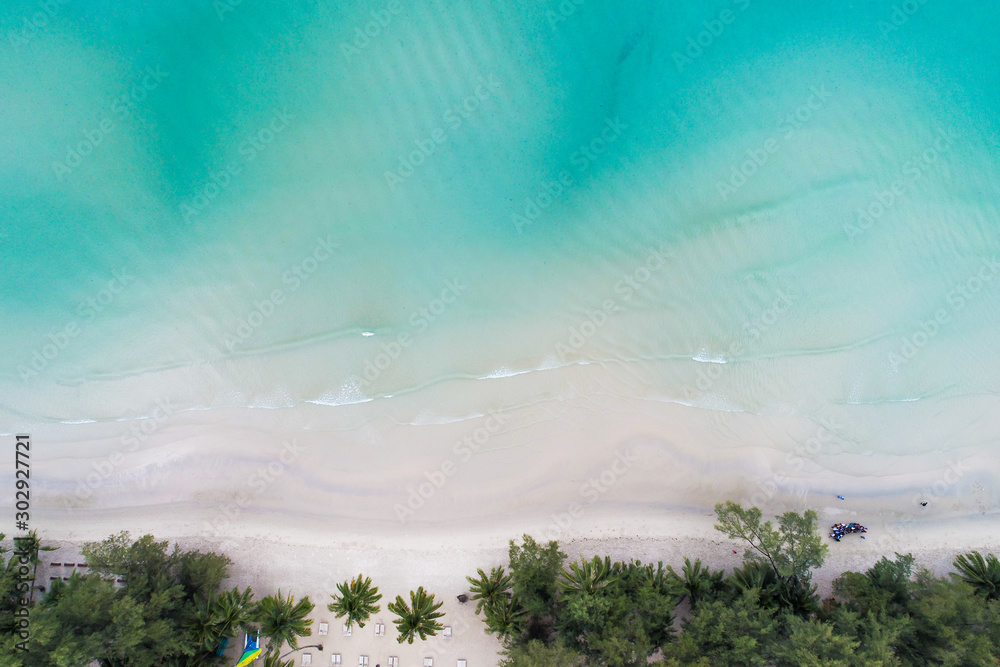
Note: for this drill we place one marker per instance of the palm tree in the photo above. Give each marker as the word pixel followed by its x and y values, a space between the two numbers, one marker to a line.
pixel 697 583
pixel 588 577
pixel 420 617
pixel 234 611
pixel 983 574
pixel 357 600
pixel 203 626
pixel 283 620
pixel 505 617
pixel 272 660
pixel 487 589
pixel 755 575
pixel 29 545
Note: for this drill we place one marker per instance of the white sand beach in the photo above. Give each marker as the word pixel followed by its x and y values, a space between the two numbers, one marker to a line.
pixel 307 497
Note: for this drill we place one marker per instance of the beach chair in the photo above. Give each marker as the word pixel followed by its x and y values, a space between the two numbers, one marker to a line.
pixel 363 661
pixel 335 659
pixel 393 661
pixel 307 659
pixel 324 628
pixel 428 662
pixel 347 630
pixel 447 632
pixel 461 662
pixel 380 629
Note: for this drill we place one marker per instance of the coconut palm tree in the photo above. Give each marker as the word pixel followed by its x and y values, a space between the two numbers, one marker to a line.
pixel 357 600
pixel 234 611
pixel 283 620
pixel 487 589
pixel 755 575
pixel 983 574
pixel 587 577
pixel 272 660
pixel 697 583
pixel 419 618
pixel 505 616
pixel 203 626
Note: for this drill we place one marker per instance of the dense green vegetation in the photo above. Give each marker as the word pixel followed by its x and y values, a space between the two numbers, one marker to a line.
pixel 144 605
pixel 550 613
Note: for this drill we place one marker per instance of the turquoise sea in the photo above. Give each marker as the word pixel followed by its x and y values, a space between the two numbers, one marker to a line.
pixel 744 206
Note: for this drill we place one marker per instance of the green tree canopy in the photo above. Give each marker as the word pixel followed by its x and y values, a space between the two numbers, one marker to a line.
pixel 536 654
pixel 535 569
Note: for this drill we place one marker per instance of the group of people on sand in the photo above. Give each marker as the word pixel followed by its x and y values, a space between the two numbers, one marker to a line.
pixel 841 529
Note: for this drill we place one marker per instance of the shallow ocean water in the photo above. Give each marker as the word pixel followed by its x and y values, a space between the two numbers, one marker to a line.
pixel 741 206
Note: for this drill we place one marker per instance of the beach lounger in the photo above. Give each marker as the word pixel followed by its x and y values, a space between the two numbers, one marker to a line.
pixel 335 659
pixel 447 632
pixel 461 662
pixel 393 661
pixel 347 630
pixel 428 662
pixel 307 659
pixel 363 661
pixel 380 629
pixel 56 564
pixel 324 628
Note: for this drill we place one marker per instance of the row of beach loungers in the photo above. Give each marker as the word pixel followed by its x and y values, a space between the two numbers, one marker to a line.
pixel 324 629
pixel 71 566
pixel 364 660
